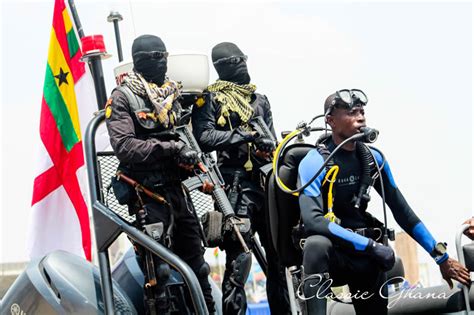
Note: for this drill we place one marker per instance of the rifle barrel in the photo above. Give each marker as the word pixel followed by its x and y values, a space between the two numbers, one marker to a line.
pixel 142 189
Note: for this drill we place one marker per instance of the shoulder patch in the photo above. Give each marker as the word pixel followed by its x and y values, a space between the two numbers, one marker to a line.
pixel 200 102
pixel 108 108
pixel 142 115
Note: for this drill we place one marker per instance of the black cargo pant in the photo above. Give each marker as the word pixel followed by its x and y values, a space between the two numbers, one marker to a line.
pixel 250 204
pixel 360 272
pixel 185 234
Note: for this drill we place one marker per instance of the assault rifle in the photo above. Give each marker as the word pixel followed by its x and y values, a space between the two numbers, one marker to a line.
pixel 154 288
pixel 140 188
pixel 233 199
pixel 258 124
pixel 207 173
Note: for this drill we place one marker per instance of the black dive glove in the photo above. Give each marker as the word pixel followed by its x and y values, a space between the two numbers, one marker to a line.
pixel 264 144
pixel 384 255
pixel 187 156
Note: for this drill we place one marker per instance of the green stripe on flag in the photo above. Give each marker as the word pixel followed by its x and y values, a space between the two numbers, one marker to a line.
pixel 72 43
pixel 57 106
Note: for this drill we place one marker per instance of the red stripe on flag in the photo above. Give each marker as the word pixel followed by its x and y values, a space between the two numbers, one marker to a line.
pixel 73 189
pixel 77 67
pixel 50 135
pixel 44 184
pixel 49 180
pixel 62 173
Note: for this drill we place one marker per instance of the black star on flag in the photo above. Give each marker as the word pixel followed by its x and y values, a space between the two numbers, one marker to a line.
pixel 62 77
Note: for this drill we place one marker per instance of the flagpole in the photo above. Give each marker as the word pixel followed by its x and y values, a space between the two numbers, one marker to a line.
pixel 75 17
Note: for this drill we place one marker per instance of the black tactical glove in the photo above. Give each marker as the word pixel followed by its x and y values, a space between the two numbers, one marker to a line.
pixel 246 135
pixel 384 255
pixel 187 156
pixel 264 144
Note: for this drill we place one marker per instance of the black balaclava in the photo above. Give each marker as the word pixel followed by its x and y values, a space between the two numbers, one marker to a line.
pixel 236 73
pixel 152 69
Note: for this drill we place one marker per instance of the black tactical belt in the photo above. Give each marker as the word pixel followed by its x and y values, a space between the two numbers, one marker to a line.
pixel 374 233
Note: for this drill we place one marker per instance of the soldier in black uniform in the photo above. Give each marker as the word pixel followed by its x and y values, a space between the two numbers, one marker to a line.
pixel 138 112
pixel 221 125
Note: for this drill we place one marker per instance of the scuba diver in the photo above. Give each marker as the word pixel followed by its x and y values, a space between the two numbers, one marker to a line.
pixel 222 124
pixel 344 243
pixel 138 114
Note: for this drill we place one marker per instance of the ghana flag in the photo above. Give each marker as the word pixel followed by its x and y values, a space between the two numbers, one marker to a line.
pixel 59 218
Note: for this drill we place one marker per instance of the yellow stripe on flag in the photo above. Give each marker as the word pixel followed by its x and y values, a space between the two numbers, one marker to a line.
pixel 67 21
pixel 57 62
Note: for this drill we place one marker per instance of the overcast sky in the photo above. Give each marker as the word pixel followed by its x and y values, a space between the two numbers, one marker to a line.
pixel 413 60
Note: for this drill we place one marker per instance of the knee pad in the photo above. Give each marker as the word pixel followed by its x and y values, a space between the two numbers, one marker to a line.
pixel 204 270
pixel 200 268
pixel 241 268
pixel 163 272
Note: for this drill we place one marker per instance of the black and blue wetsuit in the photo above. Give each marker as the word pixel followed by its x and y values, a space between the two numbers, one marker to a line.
pixel 334 248
pixel 313 202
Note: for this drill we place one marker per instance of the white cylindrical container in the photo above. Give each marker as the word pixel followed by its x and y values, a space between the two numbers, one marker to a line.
pixel 121 70
pixel 191 69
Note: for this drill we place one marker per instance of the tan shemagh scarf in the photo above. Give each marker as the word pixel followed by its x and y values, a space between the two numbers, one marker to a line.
pixel 162 97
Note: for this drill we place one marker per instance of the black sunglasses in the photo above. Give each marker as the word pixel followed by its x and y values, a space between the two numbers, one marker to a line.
pixel 231 60
pixel 151 54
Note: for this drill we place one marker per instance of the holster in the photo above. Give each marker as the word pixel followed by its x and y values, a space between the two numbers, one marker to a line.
pixel 212 228
pixel 122 191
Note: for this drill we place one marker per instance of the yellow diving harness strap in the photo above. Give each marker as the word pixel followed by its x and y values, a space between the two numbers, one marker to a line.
pixel 332 172
pixel 330 215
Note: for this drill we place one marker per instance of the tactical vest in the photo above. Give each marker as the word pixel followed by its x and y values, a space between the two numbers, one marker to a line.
pixel 141 108
pixel 145 128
